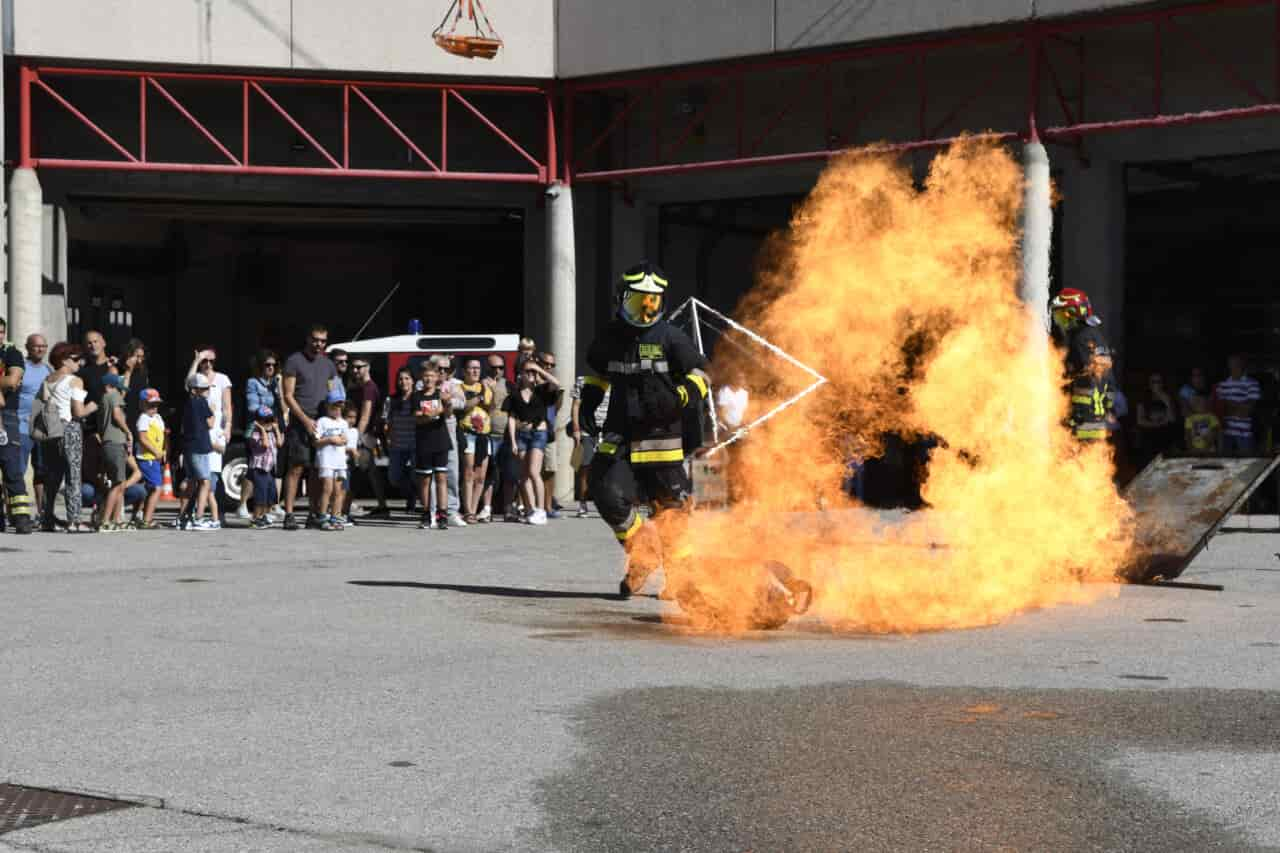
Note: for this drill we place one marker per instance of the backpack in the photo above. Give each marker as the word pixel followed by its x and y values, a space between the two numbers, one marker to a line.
pixel 46 425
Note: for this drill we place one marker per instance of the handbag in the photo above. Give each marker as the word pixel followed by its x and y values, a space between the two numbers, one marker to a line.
pixel 45 424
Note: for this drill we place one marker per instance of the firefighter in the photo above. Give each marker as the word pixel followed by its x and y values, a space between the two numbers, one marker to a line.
pixel 1088 365
pixel 658 382
pixel 12 366
pixel 654 374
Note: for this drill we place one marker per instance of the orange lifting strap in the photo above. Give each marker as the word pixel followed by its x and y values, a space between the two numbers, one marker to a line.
pixel 482 44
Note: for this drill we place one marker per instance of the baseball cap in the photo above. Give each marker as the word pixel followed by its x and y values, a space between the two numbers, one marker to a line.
pixel 149 395
pixel 197 380
pixel 115 380
pixel 264 413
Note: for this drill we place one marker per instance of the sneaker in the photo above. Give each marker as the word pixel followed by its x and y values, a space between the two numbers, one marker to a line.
pixel 276 513
pixel 183 523
pixel 582 510
pixel 290 523
pixel 203 524
pixel 350 521
pixel 456 520
pixel 443 521
pixel 512 517
pixel 213 524
pixel 315 522
pixel 538 517
pixel 484 516
pixel 555 513
pixel 337 522
pixel 260 523
pixel 243 513
pixel 328 525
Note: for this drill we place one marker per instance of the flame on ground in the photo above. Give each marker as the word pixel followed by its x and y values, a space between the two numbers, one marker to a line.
pixel 906 300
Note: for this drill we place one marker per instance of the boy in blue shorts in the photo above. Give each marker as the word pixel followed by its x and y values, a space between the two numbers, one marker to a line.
pixel 197 444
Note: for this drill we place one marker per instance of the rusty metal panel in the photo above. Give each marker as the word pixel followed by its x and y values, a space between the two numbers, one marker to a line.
pixel 22 807
pixel 1180 503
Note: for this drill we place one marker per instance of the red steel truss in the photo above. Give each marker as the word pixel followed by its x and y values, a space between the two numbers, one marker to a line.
pixel 1043 54
pixel 151 85
pixel 1034 51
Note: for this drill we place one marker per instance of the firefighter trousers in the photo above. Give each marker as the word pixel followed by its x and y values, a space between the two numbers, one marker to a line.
pixel 619 489
pixel 19 503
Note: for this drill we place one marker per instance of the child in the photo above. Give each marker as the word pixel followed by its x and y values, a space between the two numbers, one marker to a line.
pixel 264 442
pixel 150 451
pixel 197 425
pixel 431 449
pixel 218 441
pixel 1202 428
pixel 351 414
pixel 117 444
pixel 331 462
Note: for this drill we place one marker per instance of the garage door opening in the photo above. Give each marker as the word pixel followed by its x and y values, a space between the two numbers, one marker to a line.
pixel 239 277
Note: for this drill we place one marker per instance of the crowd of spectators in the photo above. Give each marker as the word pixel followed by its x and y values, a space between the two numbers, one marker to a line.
pixel 1234 416
pixel 457 442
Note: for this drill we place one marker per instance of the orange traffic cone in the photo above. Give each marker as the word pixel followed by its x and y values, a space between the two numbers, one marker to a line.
pixel 166 489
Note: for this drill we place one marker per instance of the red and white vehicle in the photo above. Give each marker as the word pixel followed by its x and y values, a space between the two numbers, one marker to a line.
pixel 412 350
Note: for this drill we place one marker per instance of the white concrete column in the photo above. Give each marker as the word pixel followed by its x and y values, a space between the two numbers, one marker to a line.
pixel 562 312
pixel 26 253
pixel 1037 235
pixel 53 304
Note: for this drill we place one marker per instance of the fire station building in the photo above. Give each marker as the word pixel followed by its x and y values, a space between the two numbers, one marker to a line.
pixel 222 172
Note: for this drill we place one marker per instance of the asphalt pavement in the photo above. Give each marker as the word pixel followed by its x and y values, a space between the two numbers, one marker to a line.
pixel 386 688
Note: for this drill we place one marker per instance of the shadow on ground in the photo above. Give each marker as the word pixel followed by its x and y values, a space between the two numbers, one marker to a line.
pixel 889 767
pixel 499 591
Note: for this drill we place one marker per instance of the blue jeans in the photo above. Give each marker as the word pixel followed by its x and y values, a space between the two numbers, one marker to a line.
pixel 1233 445
pixel 400 470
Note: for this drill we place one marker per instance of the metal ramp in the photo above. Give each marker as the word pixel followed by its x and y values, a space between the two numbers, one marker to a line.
pixel 1180 503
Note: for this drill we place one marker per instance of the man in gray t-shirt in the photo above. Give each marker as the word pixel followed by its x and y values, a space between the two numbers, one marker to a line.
pixel 308 377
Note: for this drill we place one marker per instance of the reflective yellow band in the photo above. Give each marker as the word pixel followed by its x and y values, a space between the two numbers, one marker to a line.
pixel 636 522
pixel 602 384
pixel 1091 433
pixel 683 394
pixel 608 448
pixel 697 377
pixel 1082 400
pixel 643 456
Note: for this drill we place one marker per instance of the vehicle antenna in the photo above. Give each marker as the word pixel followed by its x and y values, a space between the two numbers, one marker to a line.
pixel 384 301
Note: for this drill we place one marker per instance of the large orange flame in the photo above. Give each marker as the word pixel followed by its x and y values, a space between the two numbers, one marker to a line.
pixel 906 300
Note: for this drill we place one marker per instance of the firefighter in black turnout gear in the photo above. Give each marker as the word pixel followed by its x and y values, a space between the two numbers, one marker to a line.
pixel 12 366
pixel 654 374
pixel 1088 365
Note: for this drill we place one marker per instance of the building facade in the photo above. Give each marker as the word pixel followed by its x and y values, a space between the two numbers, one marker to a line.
pixel 221 172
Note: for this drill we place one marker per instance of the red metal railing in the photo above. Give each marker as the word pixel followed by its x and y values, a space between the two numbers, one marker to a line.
pixel 1040 70
pixel 255 88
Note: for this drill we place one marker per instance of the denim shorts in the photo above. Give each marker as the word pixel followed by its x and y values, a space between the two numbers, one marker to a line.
pixel 531 439
pixel 197 465
pixel 152 473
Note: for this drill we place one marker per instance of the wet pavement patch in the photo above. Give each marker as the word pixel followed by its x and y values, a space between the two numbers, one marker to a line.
pixel 888 767
pixel 193 580
pixel 1134 676
pixel 23 808
pixel 401 764
pixel 1164 619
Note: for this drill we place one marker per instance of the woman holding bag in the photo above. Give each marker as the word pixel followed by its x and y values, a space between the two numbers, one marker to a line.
pixel 61 405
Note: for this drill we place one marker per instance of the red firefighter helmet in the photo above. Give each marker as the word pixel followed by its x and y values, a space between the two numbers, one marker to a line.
pixel 1071 306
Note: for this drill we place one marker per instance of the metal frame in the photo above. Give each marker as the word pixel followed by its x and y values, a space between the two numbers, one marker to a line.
pixel 1028 45
pixel 149 84
pixel 1036 47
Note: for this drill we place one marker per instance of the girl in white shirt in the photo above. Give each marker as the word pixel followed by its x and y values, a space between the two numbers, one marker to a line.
pixel 64 455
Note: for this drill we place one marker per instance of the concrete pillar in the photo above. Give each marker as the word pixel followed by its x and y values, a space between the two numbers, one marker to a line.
pixel 1093 235
pixel 26 254
pixel 53 297
pixel 1037 235
pixel 562 312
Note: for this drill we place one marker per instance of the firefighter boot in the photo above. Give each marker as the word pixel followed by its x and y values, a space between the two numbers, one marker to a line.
pixel 20 513
pixel 644 557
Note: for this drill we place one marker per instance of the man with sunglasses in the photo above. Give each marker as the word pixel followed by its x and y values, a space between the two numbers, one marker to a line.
pixel 309 376
pixel 367 397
